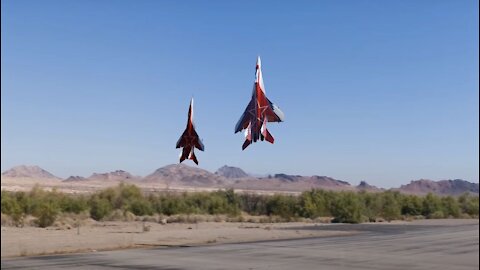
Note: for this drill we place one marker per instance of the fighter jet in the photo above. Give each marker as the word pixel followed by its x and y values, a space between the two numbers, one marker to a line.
pixel 259 111
pixel 189 139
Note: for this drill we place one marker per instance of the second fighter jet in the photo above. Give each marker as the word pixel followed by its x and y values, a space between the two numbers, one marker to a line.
pixel 189 139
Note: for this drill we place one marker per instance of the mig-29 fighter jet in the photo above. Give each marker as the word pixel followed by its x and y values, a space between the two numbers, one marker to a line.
pixel 189 139
pixel 259 111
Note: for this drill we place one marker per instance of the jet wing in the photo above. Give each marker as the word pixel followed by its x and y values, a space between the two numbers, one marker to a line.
pixel 182 141
pixel 187 139
pixel 199 145
pixel 273 113
pixel 246 117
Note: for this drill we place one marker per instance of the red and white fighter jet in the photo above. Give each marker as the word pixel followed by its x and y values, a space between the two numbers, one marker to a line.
pixel 189 139
pixel 259 111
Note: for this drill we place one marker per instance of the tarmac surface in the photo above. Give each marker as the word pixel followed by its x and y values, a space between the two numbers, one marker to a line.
pixel 376 246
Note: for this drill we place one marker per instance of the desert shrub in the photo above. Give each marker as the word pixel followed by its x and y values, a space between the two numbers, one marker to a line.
pixel 411 205
pixel 431 204
pixel 314 203
pixel 372 205
pixel 469 204
pixel 119 197
pixel 450 206
pixel 46 214
pixel 99 207
pixel 170 205
pixel 129 216
pixel 26 202
pixel 390 207
pixel 10 205
pixel 253 204
pixel 347 208
pixel 342 206
pixel 232 206
pixel 281 205
pixel 11 208
pixel 73 204
pixel 437 214
pixel 115 215
pixel 140 207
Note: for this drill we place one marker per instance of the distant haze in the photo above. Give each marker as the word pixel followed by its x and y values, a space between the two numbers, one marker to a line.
pixel 379 91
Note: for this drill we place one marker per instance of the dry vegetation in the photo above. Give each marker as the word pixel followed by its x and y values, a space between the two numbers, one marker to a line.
pixel 126 202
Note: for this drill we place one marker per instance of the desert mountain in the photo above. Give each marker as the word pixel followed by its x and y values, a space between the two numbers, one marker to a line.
pixel 231 172
pixel 364 186
pixel 285 182
pixel 117 175
pixel 23 171
pixel 75 178
pixel 181 175
pixel 443 187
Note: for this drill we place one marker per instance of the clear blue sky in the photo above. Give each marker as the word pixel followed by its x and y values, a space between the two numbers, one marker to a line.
pixel 382 91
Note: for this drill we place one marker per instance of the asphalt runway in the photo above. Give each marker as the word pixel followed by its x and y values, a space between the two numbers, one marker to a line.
pixel 374 247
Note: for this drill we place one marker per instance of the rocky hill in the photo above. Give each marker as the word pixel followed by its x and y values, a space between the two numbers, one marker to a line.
pixel 75 178
pixel 231 172
pixel 24 171
pixel 181 175
pixel 442 187
pixel 118 175
pixel 364 186
pixel 285 182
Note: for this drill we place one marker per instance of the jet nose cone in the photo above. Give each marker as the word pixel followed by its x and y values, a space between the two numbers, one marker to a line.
pixel 259 62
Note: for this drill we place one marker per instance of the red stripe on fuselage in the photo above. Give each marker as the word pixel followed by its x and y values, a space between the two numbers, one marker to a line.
pixel 261 103
pixel 190 124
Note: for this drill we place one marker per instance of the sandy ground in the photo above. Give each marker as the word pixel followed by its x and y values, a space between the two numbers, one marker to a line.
pixel 116 235
pixel 90 186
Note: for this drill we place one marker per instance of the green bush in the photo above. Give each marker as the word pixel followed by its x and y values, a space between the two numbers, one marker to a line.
pixel 347 208
pixel 253 204
pixel 46 214
pixel 73 204
pixel 314 203
pixel 372 205
pixel 282 205
pixel 352 207
pixel 469 204
pixel 431 204
pixel 140 207
pixel 411 205
pixel 450 206
pixel 99 208
pixel 391 208
pixel 11 207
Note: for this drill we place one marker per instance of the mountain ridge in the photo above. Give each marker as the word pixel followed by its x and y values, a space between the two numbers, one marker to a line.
pixel 181 175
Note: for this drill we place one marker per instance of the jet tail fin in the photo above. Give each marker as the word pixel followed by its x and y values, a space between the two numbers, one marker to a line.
pixel 183 155
pixel 265 134
pixel 188 155
pixel 182 158
pixel 268 137
pixel 246 143
pixel 193 157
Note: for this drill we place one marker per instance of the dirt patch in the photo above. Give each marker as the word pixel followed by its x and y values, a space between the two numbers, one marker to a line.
pixel 111 235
